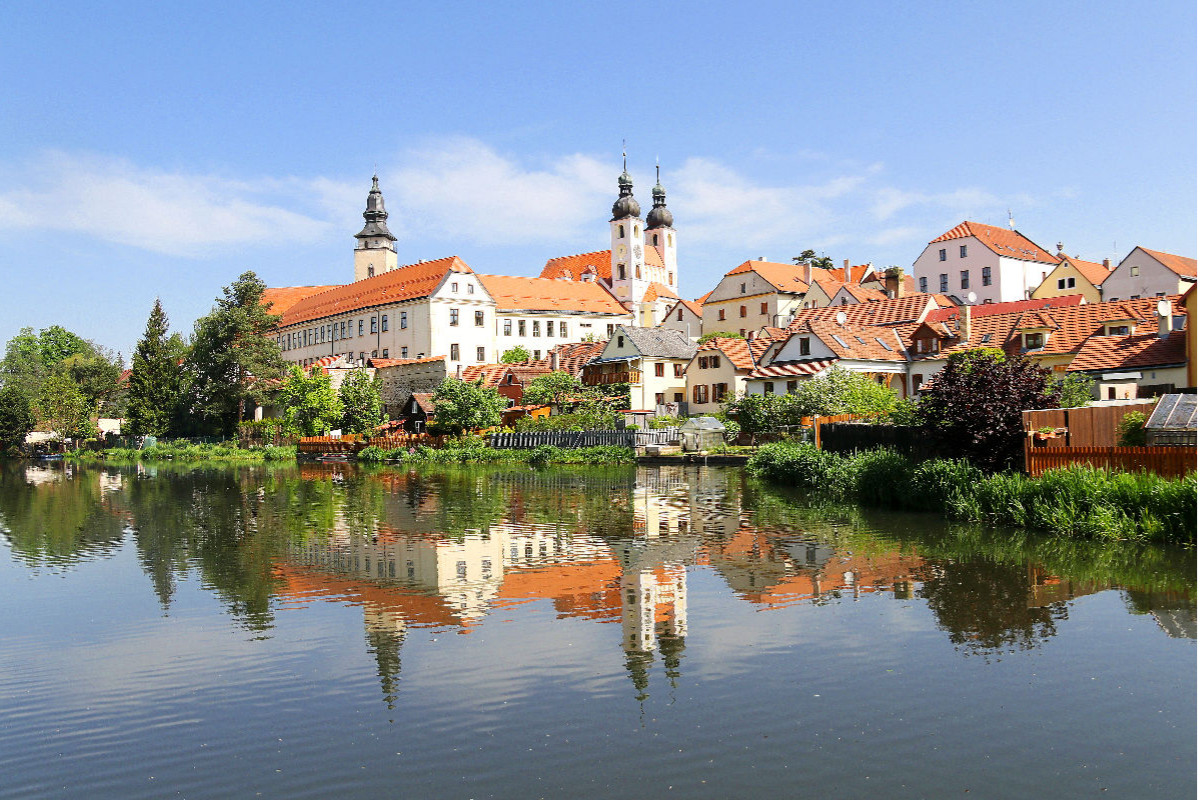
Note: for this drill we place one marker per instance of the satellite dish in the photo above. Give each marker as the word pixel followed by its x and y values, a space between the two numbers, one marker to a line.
pixel 1164 308
pixel 841 318
pixel 972 297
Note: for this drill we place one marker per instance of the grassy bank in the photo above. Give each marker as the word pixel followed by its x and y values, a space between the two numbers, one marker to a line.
pixel 1078 501
pixel 186 451
pixel 473 451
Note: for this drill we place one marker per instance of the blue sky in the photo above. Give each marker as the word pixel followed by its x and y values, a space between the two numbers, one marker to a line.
pixel 161 149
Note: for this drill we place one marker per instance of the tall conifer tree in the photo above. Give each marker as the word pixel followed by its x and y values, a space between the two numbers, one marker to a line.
pixel 154 381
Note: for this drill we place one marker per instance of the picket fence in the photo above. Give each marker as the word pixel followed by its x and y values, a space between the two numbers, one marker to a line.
pixel 575 439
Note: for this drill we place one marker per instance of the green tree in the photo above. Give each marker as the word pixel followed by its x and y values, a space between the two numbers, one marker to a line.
pixel 312 407
pixel 362 407
pixel 515 355
pixel 973 406
pixel 553 387
pixel 95 373
pixel 154 378
pixel 63 409
pixel 30 358
pixel 1076 389
pixel 817 262
pixel 233 361
pixel 840 391
pixel 16 417
pixel 460 406
pixel 719 335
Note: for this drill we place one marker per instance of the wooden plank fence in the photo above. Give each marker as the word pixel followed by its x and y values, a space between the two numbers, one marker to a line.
pixel 1089 426
pixel 1169 462
pixel 395 441
pixel 566 439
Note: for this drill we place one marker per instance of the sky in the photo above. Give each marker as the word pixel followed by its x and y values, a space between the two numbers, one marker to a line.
pixel 160 150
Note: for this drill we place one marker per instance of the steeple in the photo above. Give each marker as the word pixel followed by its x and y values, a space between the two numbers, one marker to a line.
pixel 374 254
pixel 625 206
pixel 659 216
pixel 375 215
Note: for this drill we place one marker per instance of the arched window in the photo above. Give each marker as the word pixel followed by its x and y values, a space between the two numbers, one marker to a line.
pixel 620 231
pixel 370 270
pixel 637 230
pixel 656 240
pixel 637 269
pixel 620 272
pixel 670 240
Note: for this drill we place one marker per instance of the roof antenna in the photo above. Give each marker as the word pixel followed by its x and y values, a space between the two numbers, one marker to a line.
pixel 1012 226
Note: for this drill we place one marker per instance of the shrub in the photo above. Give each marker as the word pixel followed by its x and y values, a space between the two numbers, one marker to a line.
pixel 372 454
pixel 1131 431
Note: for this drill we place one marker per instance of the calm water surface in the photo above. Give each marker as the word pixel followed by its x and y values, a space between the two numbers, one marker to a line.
pixel 654 632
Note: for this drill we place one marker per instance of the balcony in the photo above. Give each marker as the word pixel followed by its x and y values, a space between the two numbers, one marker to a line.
pixel 606 378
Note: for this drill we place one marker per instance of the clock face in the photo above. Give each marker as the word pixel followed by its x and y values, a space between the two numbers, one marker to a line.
pixel 621 250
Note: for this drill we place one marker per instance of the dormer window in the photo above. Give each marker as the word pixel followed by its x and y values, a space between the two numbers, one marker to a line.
pixel 1035 341
pixel 1118 330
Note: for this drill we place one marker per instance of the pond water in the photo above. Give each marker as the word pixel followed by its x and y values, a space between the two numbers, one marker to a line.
pixel 317 631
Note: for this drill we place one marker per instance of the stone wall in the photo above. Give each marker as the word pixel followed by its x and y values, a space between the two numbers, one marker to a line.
pixel 398 381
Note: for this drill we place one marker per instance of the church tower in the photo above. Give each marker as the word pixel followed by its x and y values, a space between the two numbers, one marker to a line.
pixel 375 252
pixel 629 279
pixel 660 234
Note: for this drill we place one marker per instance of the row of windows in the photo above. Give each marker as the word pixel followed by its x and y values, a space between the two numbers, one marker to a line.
pixel 700 392
pixel 962 252
pixel 336 331
pixel 964 281
pixel 660 370
pixel 363 356
pixel 709 362
pixel 637 273
pixel 762 309
pixel 454 318
pixel 470 288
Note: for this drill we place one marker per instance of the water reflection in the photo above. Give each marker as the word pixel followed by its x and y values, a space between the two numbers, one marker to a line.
pixel 447 548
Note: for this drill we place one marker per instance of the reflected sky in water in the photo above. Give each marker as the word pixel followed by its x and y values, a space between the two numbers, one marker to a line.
pixel 322 630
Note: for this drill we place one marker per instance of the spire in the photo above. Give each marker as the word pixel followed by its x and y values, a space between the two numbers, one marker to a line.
pixel 625 206
pixel 375 215
pixel 659 216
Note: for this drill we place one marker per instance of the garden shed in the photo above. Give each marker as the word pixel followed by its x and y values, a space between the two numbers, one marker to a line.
pixel 1173 421
pixel 702 433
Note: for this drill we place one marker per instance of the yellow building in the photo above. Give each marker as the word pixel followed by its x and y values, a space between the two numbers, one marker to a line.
pixel 1074 276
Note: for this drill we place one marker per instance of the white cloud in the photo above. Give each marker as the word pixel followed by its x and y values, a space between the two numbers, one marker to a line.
pixel 166 212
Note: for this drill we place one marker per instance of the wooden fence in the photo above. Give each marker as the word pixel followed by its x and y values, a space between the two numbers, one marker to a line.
pixel 395 441
pixel 1169 462
pixel 566 439
pixel 1090 426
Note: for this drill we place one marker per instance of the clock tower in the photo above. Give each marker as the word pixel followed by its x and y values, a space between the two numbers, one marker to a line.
pixel 375 252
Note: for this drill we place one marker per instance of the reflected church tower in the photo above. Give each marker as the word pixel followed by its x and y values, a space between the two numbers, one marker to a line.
pixel 386 631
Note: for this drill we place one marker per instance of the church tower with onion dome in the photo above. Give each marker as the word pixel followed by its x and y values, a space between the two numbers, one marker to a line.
pixel 375 252
pixel 660 234
pixel 629 279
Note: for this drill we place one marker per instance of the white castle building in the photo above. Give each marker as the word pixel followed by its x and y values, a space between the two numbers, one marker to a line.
pixel 445 308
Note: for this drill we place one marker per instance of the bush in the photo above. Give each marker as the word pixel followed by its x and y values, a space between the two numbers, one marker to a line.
pixel 1131 431
pixel 372 454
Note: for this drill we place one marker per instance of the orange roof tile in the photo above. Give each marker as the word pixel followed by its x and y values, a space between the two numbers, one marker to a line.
pixel 736 350
pixel 893 311
pixel 856 341
pixel 572 357
pixel 701 300
pixel 1009 307
pixel 409 282
pixel 1177 264
pixel 1142 349
pixel 278 300
pixel 656 290
pixel 599 261
pixel 1001 241
pixel 544 294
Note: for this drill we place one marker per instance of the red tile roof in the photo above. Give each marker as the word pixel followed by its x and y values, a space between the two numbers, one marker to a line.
pixel 572 357
pixel 656 290
pixel 990 309
pixel 792 369
pixel 893 311
pixel 1142 349
pixel 280 299
pixel 600 262
pixel 383 363
pixel 865 342
pixel 1177 264
pixel 1001 241
pixel 784 277
pixel 409 282
pixel 738 351
pixel 544 294
pixel 1092 272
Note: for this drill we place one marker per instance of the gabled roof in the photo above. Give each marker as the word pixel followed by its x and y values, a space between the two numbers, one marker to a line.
pixel 893 311
pixel 1000 241
pixel 659 342
pixel 572 357
pixel 280 299
pixel 1177 264
pixel 691 305
pixel 409 282
pixel 784 277
pixel 1092 272
pixel 738 351
pixel 543 294
pixel 497 374
pixel 859 342
pixel 861 293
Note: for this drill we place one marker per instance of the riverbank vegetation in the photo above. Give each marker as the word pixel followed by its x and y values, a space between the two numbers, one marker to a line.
pixel 185 451
pixel 474 450
pixel 1077 501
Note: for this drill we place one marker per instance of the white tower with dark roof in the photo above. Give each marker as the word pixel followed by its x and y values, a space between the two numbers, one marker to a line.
pixel 660 234
pixel 375 252
pixel 629 279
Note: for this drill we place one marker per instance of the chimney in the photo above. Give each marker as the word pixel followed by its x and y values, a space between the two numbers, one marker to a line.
pixel 846 269
pixel 807 272
pixel 893 283
pixel 750 335
pixel 762 258
pixel 553 360
pixel 1164 320
pixel 964 322
pixel 1108 264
